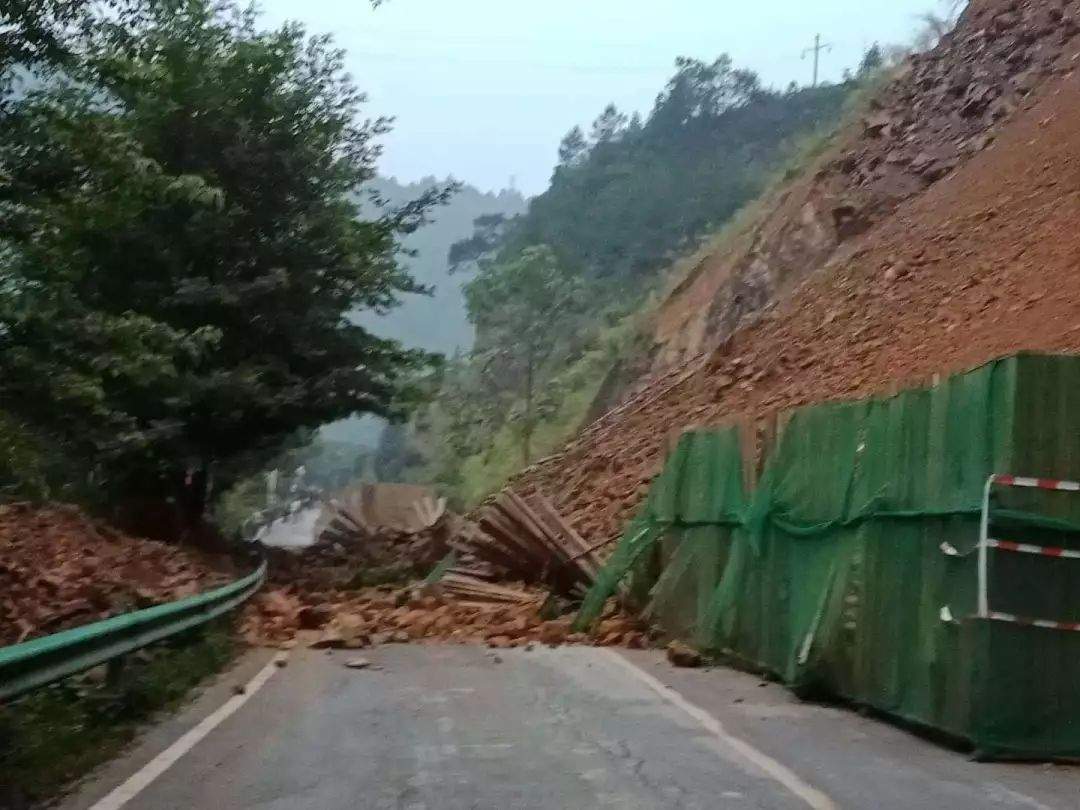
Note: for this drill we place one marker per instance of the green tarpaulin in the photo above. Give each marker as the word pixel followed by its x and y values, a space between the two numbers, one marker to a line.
pixel 831 572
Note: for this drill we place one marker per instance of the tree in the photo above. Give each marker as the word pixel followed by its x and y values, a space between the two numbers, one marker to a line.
pixel 700 90
pixel 872 61
pixel 572 147
pixel 518 307
pixel 608 126
pixel 37 31
pixel 489 231
pixel 181 247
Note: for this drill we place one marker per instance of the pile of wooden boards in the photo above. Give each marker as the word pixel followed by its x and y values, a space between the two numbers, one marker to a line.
pixel 379 510
pixel 527 540
pixel 468 589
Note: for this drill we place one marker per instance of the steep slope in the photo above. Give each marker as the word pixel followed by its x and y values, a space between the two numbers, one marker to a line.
pixel 942 108
pixel 981 263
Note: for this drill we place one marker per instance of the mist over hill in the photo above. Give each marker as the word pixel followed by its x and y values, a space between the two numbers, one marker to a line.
pixel 436 322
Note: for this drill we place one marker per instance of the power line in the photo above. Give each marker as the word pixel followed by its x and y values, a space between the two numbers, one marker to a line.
pixel 817 48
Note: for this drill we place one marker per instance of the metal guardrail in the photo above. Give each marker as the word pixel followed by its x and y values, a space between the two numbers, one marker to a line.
pixel 41 661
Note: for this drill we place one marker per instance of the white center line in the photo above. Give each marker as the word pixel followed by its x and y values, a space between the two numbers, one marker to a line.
pixel 775 770
pixel 167 758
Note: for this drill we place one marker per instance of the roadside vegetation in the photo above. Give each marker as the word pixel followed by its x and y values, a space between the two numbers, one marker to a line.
pixel 168 318
pixel 561 294
pixel 55 735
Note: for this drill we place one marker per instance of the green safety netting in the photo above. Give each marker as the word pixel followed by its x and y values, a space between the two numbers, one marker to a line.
pixel 831 573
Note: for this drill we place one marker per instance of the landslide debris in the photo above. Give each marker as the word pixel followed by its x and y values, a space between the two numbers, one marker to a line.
pixel 980 264
pixel 60 569
pixel 354 620
pixel 941 109
pixel 511 581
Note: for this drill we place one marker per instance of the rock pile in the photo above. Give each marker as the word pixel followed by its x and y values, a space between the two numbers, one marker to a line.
pixel 511 581
pixel 946 104
pixel 388 615
pixel 60 569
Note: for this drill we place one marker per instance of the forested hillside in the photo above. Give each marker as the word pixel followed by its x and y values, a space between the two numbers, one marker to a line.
pixel 630 193
pixel 559 291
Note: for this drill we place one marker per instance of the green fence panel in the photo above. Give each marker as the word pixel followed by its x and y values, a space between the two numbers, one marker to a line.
pixel 831 573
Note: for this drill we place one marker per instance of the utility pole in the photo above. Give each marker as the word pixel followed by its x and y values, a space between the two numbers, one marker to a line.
pixel 818 47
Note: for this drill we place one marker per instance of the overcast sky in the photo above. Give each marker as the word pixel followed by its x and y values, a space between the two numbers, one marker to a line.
pixel 485 89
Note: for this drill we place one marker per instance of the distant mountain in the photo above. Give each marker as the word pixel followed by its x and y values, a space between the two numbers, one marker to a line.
pixel 436 323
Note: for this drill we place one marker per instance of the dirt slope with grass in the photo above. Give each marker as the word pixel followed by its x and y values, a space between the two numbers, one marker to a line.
pixel 982 262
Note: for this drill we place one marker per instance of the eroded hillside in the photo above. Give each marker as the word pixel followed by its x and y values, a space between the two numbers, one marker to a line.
pixel 941 109
pixel 943 272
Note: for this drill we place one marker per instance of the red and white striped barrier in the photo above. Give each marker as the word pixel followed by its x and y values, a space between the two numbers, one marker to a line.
pixel 986 543
pixel 996 616
pixel 1029 548
pixel 1036 483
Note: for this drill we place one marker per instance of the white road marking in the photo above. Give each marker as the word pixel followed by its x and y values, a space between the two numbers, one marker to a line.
pixel 775 770
pixel 167 758
pixel 999 792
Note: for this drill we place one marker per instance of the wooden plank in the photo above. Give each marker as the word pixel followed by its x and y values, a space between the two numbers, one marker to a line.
pixel 505 527
pixel 562 573
pixel 535 526
pixel 580 554
pixel 498 526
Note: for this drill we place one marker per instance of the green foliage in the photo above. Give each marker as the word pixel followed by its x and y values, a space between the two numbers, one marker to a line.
pixel 624 201
pixel 471 443
pixel 518 307
pixel 181 247
pixel 38 33
pixel 56 735
pixel 23 462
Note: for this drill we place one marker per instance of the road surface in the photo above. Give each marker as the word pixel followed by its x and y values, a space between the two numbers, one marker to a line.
pixel 449 728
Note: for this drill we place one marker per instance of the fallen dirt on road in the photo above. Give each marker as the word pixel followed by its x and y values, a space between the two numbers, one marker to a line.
pixel 321 595
pixel 286 617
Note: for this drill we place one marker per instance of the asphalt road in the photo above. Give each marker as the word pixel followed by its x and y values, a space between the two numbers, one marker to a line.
pixel 443 728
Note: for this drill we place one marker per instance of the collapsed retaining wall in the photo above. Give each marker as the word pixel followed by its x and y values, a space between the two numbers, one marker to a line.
pixel 831 574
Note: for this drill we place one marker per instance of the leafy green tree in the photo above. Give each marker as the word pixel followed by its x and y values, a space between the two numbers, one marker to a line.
pixel 489 231
pixel 638 192
pixel 519 307
pixel 181 248
pixel 573 147
pixel 608 126
pixel 33 32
